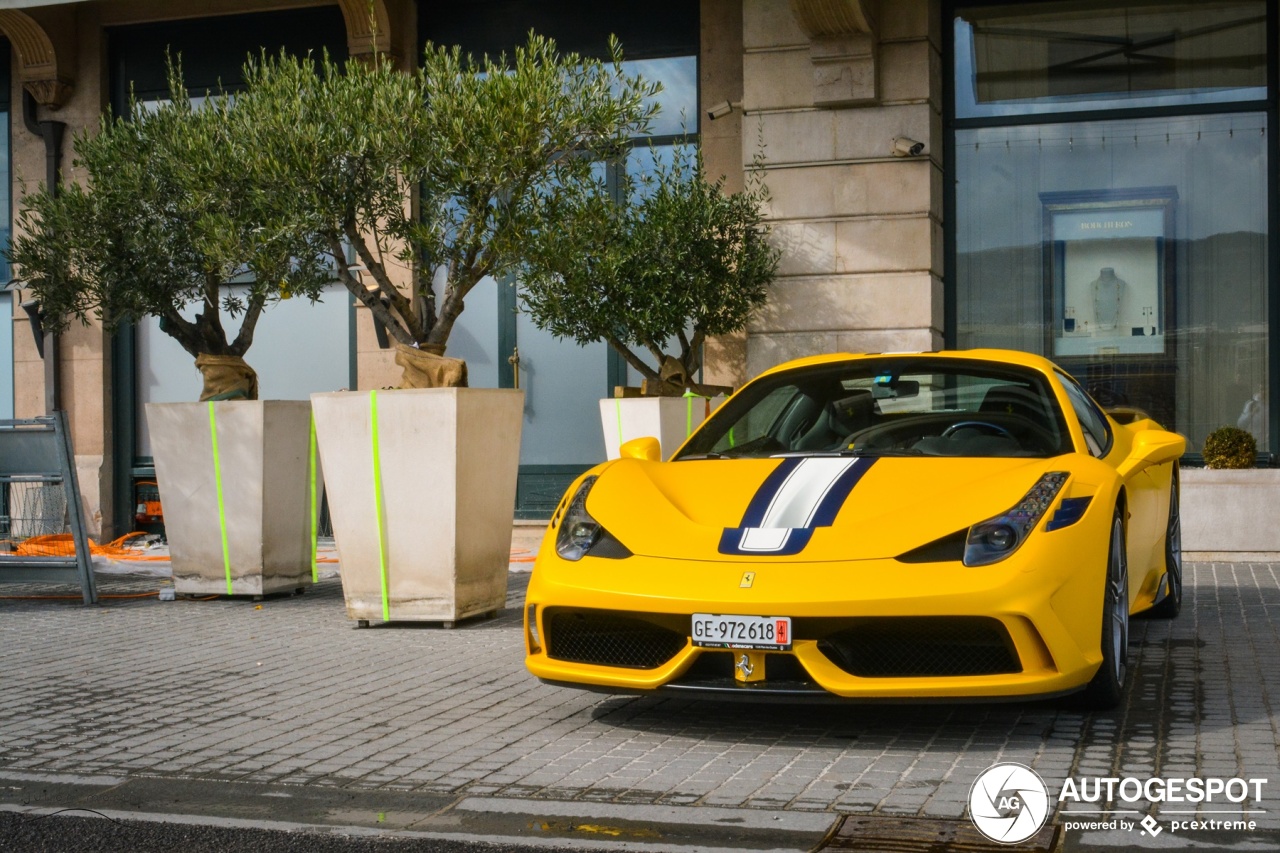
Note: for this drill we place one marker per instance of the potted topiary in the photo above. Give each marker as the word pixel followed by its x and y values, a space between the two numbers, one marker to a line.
pixel 1230 447
pixel 422 481
pixel 159 225
pixel 1226 506
pixel 675 261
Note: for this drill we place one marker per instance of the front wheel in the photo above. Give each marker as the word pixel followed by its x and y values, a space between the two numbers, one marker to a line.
pixel 1171 604
pixel 1107 686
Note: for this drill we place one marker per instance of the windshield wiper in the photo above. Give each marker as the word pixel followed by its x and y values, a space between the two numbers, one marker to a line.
pixel 711 454
pixel 887 451
pixel 859 452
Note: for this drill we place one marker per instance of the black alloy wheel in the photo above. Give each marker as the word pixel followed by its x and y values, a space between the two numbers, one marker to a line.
pixel 1107 686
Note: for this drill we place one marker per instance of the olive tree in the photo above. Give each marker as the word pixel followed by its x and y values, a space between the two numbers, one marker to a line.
pixel 419 184
pixel 670 259
pixel 161 221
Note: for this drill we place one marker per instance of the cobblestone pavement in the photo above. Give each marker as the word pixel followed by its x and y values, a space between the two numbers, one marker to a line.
pixel 290 692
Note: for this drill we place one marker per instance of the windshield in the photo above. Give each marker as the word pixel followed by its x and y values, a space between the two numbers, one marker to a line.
pixel 889 407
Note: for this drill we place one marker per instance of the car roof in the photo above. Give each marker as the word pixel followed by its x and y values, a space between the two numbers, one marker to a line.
pixel 995 356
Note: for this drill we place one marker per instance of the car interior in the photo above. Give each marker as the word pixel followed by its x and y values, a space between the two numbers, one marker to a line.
pixel 925 414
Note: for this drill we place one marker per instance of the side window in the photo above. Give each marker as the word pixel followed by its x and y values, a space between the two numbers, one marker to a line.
pixel 1097 433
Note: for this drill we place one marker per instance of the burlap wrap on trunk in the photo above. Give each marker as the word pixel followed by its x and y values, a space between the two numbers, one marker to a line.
pixel 672 380
pixel 429 368
pixel 227 377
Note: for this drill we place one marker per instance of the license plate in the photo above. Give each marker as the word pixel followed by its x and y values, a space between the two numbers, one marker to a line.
pixel 741 632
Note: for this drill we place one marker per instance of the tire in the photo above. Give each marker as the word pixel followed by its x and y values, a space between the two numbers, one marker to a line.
pixel 1107 686
pixel 1171 604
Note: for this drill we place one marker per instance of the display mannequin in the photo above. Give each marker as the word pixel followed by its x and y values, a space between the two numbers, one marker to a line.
pixel 1108 290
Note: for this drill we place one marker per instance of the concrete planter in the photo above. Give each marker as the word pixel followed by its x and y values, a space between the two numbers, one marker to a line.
pixel 440 527
pixel 262 458
pixel 668 419
pixel 1230 515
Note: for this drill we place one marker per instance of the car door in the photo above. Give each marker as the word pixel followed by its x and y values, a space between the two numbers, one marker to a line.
pixel 1145 492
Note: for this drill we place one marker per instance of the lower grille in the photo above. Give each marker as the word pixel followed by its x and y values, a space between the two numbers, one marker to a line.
pixel 609 639
pixel 893 647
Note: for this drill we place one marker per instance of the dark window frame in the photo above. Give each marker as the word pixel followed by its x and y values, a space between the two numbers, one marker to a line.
pixel 1270 106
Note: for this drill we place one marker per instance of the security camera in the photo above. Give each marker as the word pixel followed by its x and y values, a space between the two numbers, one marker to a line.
pixel 719 110
pixel 906 147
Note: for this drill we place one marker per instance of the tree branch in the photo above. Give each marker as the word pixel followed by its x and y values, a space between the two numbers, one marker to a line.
pixel 181 330
pixel 368 298
pixel 244 338
pixel 463 277
pixel 632 359
pixel 691 357
pixel 402 305
pixel 209 321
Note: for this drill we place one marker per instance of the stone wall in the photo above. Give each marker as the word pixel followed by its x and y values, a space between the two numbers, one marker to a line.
pixel 860 229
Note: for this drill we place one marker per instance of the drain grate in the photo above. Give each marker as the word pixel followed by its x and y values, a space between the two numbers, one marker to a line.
pixel 892 834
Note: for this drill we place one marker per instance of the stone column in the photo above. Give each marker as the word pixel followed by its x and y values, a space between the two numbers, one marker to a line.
pixel 72 90
pixel 720 86
pixel 828 86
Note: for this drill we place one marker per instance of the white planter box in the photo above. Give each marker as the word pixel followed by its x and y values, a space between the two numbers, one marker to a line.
pixel 448 459
pixel 262 455
pixel 1230 515
pixel 668 419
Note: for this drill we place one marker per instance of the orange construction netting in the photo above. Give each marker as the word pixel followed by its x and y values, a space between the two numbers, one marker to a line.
pixel 63 545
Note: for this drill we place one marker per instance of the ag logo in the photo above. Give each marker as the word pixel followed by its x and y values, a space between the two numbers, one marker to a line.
pixel 1008 803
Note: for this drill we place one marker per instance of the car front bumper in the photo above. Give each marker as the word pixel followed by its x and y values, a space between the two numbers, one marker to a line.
pixel 870 629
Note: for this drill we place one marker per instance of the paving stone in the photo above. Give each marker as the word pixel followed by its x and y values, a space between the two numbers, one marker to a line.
pixel 292 693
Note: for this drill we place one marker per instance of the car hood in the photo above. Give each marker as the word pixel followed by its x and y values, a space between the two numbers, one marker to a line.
pixel 803 508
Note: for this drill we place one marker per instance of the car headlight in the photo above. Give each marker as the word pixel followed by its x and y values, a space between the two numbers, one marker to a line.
pixel 996 538
pixel 580 534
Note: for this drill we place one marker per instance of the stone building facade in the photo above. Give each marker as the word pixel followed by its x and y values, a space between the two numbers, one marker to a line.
pixel 918 156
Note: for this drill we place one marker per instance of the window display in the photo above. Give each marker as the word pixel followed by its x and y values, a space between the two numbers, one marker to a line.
pixel 1109 271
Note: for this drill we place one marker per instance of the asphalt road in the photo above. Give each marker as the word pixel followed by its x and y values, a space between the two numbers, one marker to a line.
pixel 80 832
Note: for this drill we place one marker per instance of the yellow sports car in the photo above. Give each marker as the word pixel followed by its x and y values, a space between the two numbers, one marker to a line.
pixel 924 526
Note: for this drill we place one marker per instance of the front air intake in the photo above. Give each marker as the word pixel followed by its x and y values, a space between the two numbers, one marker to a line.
pixel 605 638
pixel 904 647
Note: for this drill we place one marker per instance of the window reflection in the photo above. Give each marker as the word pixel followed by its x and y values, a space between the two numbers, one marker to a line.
pixel 1211 368
pixel 678 100
pixel 645 160
pixel 1015 59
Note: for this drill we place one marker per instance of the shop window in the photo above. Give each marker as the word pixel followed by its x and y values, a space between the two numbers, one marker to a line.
pixel 1050 57
pixel 1129 245
pixel 1132 252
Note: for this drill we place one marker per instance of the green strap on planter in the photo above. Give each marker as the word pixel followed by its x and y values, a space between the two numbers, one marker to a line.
pixel 222 510
pixel 377 505
pixel 315 505
pixel 617 405
pixel 688 410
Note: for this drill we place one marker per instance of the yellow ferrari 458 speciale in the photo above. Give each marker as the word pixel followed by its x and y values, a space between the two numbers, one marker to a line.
pixel 907 526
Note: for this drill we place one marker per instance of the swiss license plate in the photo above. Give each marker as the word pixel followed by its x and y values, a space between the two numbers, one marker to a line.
pixel 741 632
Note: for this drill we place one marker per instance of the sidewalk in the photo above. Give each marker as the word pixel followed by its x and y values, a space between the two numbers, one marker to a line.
pixel 443 731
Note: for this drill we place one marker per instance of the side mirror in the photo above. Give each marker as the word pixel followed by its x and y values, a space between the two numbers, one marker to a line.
pixel 647 448
pixel 1152 447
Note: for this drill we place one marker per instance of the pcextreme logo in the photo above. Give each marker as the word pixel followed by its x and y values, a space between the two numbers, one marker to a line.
pixel 1008 803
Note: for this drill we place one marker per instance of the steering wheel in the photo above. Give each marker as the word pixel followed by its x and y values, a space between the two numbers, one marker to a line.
pixel 988 425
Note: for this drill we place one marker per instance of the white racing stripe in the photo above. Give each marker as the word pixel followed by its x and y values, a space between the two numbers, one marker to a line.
pixel 802 492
